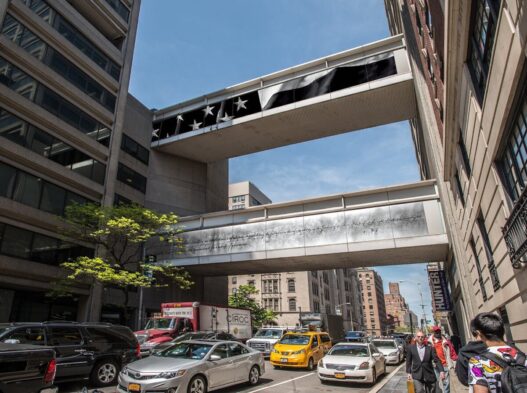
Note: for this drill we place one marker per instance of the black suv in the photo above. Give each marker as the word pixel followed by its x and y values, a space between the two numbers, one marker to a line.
pixel 27 369
pixel 94 351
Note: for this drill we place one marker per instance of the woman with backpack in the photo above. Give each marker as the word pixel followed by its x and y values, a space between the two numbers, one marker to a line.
pixel 499 369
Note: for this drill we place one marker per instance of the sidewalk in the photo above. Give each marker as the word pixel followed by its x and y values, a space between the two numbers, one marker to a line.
pixel 397 383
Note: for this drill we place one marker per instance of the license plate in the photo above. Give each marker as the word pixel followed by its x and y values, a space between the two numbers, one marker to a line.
pixel 134 387
pixel 283 360
pixel 340 375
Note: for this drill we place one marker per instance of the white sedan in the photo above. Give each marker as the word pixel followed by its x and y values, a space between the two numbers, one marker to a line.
pixel 352 362
pixel 390 349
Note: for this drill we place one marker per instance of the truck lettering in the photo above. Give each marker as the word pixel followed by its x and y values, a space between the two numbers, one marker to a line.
pixel 241 319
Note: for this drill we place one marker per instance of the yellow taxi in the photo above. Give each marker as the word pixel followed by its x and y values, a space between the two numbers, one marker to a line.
pixel 300 350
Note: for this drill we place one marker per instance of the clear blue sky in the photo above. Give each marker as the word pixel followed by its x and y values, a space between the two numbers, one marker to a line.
pixel 188 48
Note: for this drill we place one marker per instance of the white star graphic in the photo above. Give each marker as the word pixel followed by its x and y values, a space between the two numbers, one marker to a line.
pixel 226 117
pixel 155 133
pixel 195 125
pixel 240 104
pixel 208 110
pixel 179 117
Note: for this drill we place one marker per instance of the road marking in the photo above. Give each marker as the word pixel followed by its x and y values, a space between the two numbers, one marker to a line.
pixel 386 379
pixel 281 383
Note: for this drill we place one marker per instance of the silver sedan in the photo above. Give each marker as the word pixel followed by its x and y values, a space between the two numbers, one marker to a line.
pixel 196 366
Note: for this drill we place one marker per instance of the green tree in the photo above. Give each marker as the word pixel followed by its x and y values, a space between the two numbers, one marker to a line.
pixel 243 298
pixel 119 233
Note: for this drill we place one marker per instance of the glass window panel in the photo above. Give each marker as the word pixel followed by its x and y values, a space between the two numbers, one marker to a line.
pixel 27 189
pixel 16 242
pixel 13 128
pixel 41 142
pixel 99 172
pixel 7 180
pixel 72 198
pixel 44 249
pixel 53 198
pixel 62 154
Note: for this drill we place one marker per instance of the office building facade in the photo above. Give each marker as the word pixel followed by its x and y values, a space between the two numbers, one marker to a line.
pixel 373 307
pixel 476 152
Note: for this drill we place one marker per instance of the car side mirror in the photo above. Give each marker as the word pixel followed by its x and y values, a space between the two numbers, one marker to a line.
pixel 12 341
pixel 214 358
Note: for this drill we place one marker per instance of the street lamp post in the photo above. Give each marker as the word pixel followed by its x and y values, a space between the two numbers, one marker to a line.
pixel 423 324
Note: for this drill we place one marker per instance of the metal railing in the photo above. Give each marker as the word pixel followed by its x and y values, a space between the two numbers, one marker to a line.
pixel 515 232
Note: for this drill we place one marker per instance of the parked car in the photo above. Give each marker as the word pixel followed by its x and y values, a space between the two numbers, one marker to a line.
pixel 94 351
pixel 194 336
pixel 352 362
pixel 27 369
pixel 265 339
pixel 389 347
pixel 300 350
pixel 194 366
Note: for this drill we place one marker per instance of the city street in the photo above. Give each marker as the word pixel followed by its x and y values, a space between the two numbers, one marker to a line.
pixel 284 381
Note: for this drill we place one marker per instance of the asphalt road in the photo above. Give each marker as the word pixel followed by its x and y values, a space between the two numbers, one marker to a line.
pixel 283 381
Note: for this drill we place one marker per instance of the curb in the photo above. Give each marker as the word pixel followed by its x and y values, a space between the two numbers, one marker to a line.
pixel 387 379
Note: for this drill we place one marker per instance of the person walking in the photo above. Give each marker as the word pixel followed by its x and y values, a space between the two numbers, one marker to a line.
pixel 446 354
pixel 421 361
pixel 484 374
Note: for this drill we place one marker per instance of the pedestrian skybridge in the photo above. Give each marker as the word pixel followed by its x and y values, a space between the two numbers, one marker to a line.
pixel 393 225
pixel 362 87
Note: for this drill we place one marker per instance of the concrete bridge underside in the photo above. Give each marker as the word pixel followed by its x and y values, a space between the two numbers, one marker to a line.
pixel 393 225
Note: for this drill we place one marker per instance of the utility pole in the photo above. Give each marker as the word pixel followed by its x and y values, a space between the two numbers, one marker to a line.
pixel 422 306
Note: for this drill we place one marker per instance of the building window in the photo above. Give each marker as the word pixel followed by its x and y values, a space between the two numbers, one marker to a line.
pixel 314 288
pixel 488 252
pixel 121 200
pixel 234 280
pixel 35 192
pixel 120 8
pixel 428 18
pixel 464 155
pixel 238 198
pixel 128 145
pixel 291 285
pixel 292 304
pixel 251 283
pixel 478 269
pixel 270 286
pixel 20 82
pixel 24 38
pixel 46 145
pixel 513 162
pixel 131 177
pixel 459 188
pixel 74 36
pixel 326 294
pixel 316 306
pixel 24 244
pixel 482 34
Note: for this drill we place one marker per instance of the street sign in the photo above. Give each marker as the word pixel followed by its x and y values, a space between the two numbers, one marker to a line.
pixel 440 295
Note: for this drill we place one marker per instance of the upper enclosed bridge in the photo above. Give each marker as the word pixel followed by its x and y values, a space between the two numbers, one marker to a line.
pixel 359 88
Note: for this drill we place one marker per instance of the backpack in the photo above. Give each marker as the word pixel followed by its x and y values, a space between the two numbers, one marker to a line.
pixel 514 374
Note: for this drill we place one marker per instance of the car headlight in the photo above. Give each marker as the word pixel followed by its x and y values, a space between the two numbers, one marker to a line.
pixel 302 351
pixel 124 371
pixel 364 366
pixel 321 363
pixel 149 344
pixel 394 353
pixel 276 351
pixel 171 374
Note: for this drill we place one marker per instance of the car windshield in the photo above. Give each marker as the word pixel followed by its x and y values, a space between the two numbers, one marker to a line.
pixel 295 339
pixel 349 350
pixel 270 333
pixel 158 323
pixel 384 343
pixel 186 351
